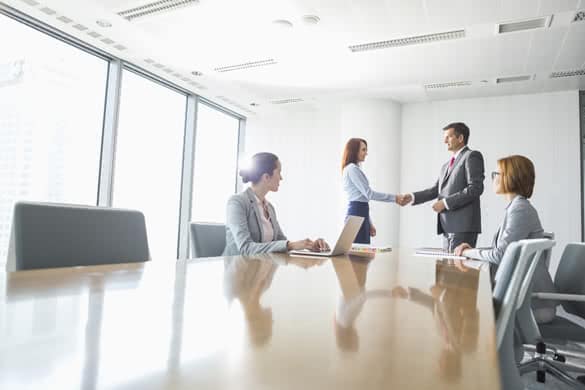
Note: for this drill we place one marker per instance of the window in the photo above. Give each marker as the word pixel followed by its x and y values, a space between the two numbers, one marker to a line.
pixel 149 153
pixel 51 114
pixel 216 158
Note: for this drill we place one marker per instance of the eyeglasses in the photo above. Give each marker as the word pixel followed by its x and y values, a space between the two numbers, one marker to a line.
pixel 495 174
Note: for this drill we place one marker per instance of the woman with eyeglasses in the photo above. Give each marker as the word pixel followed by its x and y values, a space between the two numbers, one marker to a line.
pixel 514 179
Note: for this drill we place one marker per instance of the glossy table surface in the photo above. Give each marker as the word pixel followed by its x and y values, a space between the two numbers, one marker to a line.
pixel 395 321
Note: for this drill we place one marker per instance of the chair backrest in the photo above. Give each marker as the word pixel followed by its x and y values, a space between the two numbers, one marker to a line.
pixel 513 281
pixel 48 235
pixel 569 278
pixel 207 239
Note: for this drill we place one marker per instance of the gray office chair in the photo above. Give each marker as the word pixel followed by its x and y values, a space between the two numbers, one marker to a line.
pixel 512 283
pixel 552 340
pixel 570 285
pixel 48 235
pixel 207 239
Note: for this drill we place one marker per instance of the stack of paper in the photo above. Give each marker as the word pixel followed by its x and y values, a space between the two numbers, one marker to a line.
pixel 365 248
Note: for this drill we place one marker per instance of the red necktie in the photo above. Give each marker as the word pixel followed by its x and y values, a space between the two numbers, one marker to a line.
pixel 451 162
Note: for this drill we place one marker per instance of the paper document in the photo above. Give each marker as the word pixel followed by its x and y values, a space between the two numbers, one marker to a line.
pixel 437 252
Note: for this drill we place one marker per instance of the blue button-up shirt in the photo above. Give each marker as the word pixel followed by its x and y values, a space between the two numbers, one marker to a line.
pixel 357 186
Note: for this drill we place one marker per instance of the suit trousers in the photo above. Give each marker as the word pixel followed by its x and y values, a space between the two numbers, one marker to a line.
pixel 452 240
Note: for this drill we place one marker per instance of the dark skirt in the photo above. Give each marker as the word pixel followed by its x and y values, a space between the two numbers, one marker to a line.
pixel 361 209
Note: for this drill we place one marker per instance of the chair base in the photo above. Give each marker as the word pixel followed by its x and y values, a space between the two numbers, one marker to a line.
pixel 543 366
pixel 552 361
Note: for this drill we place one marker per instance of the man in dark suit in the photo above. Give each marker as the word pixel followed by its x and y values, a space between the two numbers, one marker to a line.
pixel 457 190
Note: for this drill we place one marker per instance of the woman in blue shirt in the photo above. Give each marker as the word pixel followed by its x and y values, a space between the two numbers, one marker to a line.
pixel 357 187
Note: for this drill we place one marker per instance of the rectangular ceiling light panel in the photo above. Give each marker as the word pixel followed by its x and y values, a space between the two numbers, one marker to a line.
pixel 452 84
pixel 155 8
pixel 287 101
pixel 512 79
pixel 416 40
pixel 567 73
pixel 245 65
pixel 524 25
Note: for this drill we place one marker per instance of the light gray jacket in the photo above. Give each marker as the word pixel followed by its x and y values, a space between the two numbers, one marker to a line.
pixel 461 187
pixel 520 222
pixel 244 228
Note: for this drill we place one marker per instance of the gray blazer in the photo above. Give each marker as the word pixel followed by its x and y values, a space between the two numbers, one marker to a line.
pixel 244 229
pixel 461 187
pixel 520 222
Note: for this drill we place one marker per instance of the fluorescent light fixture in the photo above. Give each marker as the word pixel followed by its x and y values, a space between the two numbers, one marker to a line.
pixel 567 73
pixel 451 84
pixel 245 65
pixel 512 79
pixel 524 25
pixel 154 8
pixel 287 101
pixel 415 40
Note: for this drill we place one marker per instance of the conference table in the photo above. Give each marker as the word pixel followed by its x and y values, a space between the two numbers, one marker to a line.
pixel 390 320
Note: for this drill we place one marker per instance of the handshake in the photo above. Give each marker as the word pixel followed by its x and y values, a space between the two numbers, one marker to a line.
pixel 403 199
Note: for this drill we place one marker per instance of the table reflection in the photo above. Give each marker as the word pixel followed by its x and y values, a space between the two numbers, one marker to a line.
pixel 246 279
pixel 351 274
pixel 453 303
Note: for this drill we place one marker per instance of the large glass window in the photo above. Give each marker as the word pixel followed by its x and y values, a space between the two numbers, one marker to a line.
pixel 216 158
pixel 149 153
pixel 51 113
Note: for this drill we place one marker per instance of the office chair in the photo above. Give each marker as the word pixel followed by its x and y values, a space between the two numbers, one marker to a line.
pixel 512 283
pixel 48 235
pixel 561 331
pixel 207 239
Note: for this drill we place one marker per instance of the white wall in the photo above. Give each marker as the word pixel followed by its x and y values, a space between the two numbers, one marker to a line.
pixel 543 127
pixel 309 142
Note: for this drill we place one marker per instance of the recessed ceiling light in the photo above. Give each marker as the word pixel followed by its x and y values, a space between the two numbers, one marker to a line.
pixel 196 73
pixel 311 20
pixel 103 23
pixel 283 23
pixel 254 104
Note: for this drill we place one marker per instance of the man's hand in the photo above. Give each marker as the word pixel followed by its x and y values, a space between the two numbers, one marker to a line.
pixel 439 206
pixel 403 199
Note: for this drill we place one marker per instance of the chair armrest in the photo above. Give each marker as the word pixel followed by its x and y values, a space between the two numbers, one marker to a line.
pixel 559 297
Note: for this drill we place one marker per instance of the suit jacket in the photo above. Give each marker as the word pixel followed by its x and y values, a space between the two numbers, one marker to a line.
pixel 244 228
pixel 520 222
pixel 461 187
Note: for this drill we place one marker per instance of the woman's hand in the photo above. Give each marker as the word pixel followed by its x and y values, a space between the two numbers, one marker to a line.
pixel 302 244
pixel 372 230
pixel 320 245
pixel 460 248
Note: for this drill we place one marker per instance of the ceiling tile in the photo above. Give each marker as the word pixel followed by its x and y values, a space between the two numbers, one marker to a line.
pixel 544 49
pixel 572 54
pixel 548 7
pixel 518 10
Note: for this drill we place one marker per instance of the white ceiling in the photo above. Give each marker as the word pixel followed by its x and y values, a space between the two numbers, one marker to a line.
pixel 314 62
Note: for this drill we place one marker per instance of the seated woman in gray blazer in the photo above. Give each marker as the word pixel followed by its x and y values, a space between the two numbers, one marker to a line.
pixel 514 178
pixel 251 225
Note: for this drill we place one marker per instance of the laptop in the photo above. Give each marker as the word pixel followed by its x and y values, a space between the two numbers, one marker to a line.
pixel 344 242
